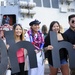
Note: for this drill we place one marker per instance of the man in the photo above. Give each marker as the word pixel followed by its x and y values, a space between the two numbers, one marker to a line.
pixel 69 34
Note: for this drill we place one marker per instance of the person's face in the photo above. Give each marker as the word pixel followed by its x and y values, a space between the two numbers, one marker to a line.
pixel 1 33
pixel 56 28
pixel 72 22
pixel 18 31
pixel 35 27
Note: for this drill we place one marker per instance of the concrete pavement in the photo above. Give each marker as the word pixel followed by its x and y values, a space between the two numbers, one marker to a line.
pixel 47 69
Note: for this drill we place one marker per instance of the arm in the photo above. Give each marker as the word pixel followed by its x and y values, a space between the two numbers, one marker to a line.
pixel 47 45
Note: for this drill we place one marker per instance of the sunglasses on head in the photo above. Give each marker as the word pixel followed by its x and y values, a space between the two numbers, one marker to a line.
pixel 73 21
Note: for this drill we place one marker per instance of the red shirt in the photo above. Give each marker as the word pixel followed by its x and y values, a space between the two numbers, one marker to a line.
pixel 20 55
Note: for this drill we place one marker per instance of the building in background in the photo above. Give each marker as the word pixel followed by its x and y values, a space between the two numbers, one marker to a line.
pixel 23 11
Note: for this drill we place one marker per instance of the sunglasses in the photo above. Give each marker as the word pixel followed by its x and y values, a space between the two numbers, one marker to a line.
pixel 73 21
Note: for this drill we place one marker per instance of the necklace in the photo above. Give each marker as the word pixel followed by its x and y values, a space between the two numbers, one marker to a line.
pixel 37 41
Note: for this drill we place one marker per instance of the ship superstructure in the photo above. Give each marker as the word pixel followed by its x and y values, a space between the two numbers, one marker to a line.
pixel 23 11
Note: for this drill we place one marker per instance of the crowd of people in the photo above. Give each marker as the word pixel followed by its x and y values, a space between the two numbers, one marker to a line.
pixel 40 38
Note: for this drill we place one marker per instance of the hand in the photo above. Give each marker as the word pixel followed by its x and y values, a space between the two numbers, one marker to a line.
pixel 73 46
pixel 7 46
pixel 36 51
pixel 49 47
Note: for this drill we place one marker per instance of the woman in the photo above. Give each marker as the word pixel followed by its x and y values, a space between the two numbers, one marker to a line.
pixel 55 26
pixel 37 39
pixel 19 36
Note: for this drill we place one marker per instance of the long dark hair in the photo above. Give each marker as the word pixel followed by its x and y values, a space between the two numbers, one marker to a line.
pixel 51 25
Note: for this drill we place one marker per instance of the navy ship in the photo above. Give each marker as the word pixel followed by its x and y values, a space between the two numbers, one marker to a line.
pixel 24 11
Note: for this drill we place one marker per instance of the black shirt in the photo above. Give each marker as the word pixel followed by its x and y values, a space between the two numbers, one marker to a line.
pixel 62 53
pixel 69 36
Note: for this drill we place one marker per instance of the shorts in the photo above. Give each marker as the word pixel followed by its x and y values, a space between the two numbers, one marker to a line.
pixel 62 62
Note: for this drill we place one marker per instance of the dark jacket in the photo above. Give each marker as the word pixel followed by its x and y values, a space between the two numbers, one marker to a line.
pixel 48 54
